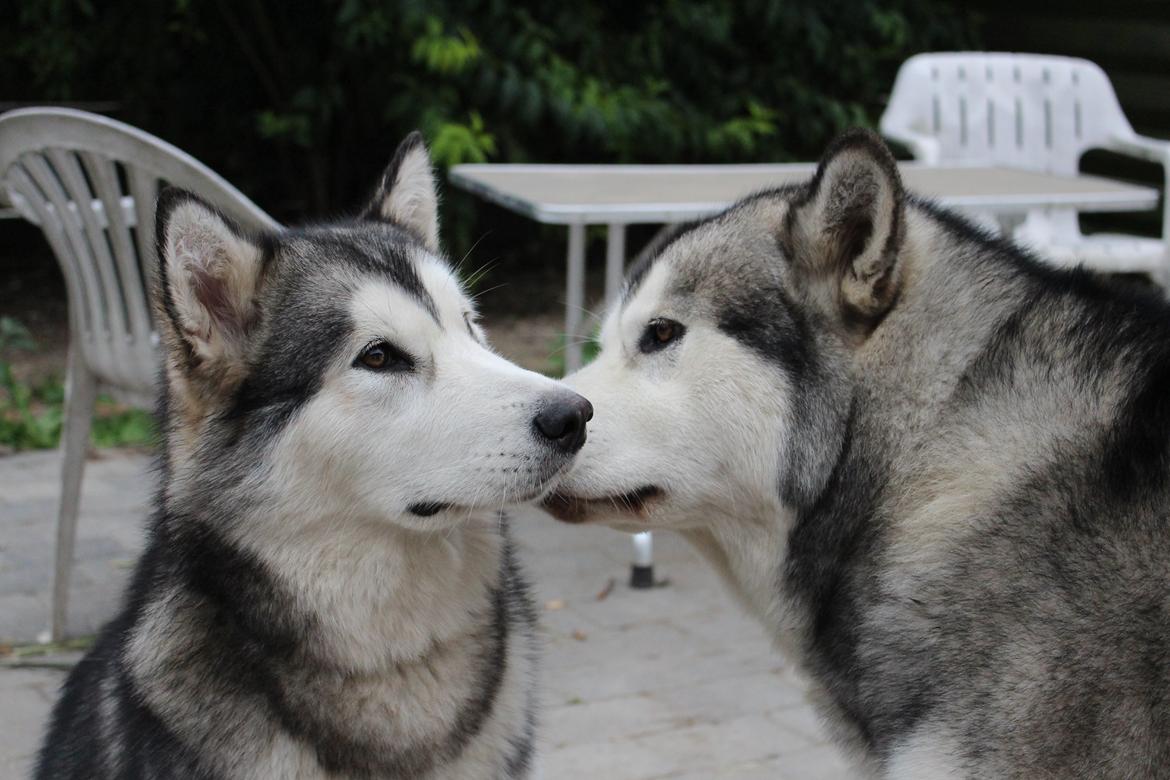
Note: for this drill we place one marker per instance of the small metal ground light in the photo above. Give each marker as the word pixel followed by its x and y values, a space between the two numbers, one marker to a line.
pixel 642 570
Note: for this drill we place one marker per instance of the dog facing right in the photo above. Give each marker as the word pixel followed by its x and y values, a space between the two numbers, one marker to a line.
pixel 936 470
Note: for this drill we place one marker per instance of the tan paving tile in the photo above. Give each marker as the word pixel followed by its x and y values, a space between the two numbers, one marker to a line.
pixel 672 682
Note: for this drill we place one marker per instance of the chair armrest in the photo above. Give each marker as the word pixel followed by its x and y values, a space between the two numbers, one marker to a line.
pixel 1153 150
pixel 924 148
pixel 1143 148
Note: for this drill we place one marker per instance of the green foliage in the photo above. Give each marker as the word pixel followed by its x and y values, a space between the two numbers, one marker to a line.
pixel 114 426
pixel 71 645
pixel 744 132
pixel 31 415
pixel 301 104
pixel 444 54
pixel 20 427
pixel 454 143
pixel 555 366
pixel 13 335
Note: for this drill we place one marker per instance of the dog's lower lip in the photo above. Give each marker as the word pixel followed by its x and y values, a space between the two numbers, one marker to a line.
pixel 575 509
pixel 430 508
pixel 426 509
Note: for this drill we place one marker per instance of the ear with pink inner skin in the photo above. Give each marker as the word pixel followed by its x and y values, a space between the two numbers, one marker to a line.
pixel 210 274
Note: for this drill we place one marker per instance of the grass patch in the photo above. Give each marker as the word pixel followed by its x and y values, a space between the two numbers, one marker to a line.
pixel 31 415
pixel 555 366
pixel 52 648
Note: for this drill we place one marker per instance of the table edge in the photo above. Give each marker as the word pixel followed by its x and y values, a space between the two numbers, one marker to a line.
pixel 1134 198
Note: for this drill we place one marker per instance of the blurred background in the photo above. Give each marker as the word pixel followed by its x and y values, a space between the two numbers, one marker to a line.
pixel 300 104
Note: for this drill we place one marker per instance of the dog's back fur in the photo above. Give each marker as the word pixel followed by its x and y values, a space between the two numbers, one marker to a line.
pixel 986 574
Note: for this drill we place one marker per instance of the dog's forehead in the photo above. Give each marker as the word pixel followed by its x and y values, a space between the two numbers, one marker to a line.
pixel 432 301
pixel 716 259
pixel 443 286
pixel 325 263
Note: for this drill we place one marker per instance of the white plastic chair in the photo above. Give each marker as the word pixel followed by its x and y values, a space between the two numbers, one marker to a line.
pixel 90 184
pixel 1035 112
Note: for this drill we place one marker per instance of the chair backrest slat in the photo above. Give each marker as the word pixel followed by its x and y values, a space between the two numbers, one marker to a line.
pixel 134 272
pixel 144 190
pixel 104 175
pixel 1036 112
pixel 91 184
pixel 97 337
pixel 82 203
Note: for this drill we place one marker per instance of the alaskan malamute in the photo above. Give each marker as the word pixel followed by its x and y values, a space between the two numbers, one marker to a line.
pixel 934 468
pixel 328 589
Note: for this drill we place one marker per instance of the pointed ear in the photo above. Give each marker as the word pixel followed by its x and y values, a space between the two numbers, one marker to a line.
pixel 848 227
pixel 407 194
pixel 209 276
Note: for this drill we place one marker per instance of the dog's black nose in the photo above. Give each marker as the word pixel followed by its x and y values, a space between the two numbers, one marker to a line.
pixel 562 422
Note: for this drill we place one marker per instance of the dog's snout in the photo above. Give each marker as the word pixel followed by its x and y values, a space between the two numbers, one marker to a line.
pixel 562 422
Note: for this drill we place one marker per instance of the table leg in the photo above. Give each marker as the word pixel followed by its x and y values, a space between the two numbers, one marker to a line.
pixel 1007 223
pixel 642 567
pixel 574 297
pixel 615 261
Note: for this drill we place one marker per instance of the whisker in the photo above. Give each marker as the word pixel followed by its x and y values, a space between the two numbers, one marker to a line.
pixel 459 265
pixel 481 293
pixel 478 274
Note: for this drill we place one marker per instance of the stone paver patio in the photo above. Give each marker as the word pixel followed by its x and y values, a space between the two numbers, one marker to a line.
pixel 670 683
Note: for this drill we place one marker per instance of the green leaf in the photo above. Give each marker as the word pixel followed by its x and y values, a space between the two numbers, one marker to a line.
pixel 14 335
pixel 454 143
pixel 442 53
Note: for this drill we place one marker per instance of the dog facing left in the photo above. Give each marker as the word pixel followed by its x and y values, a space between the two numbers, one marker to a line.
pixel 328 589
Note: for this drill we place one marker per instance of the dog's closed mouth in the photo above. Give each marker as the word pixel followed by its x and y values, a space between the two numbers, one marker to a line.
pixel 575 509
pixel 427 509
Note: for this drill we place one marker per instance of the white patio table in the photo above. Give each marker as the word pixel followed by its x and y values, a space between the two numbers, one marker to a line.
pixel 621 195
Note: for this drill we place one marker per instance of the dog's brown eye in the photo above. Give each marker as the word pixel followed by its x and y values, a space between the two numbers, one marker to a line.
pixel 383 356
pixel 374 357
pixel 660 333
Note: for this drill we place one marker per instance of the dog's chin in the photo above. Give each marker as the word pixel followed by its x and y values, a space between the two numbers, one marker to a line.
pixel 628 509
pixel 509 498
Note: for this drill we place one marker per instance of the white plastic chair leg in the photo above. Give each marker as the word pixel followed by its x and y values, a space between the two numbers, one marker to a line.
pixel 80 395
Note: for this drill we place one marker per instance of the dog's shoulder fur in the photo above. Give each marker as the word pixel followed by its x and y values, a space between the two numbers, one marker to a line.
pixel 987 567
pixel 210 671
